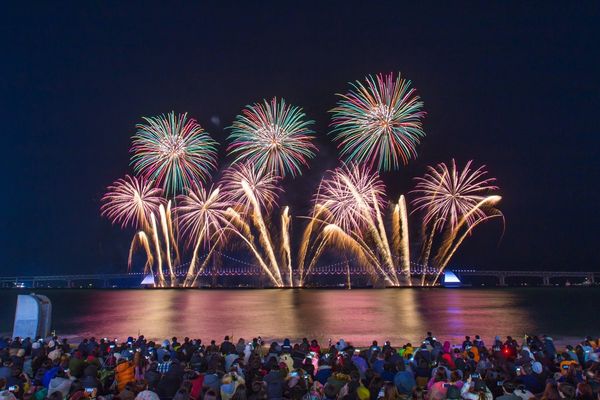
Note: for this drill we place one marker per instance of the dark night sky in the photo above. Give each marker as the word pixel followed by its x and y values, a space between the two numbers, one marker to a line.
pixel 513 86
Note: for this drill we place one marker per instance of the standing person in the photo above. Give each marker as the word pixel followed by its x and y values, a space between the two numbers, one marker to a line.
pixel 467 343
pixel 286 347
pixel 314 346
pixel 139 364
pixel 164 349
pixel 227 347
pixel 240 346
pixel 479 342
pixel 274 381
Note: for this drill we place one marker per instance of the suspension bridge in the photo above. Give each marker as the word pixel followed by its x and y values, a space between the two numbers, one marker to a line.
pixel 133 279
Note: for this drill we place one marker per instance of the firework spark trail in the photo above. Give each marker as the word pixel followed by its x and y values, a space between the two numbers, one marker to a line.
pixel 427 246
pixel 285 236
pixel 396 235
pixel 173 150
pixel 405 239
pixel 487 201
pixel 167 238
pixel 426 251
pixel 264 236
pixel 262 183
pixel 130 201
pixel 206 260
pixel 385 244
pixel 375 226
pixel 251 191
pixel 171 233
pixel 161 276
pixel 191 273
pixel 446 194
pixel 272 136
pixel 467 232
pixel 142 239
pixel 202 216
pixel 347 195
pixel 352 196
pixel 306 236
pixel 322 242
pixel 447 250
pixel 363 255
pixel 380 123
pixel 377 124
pixel 242 230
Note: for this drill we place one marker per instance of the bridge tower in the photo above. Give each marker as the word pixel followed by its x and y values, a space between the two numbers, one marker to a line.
pixel 546 280
pixel 590 278
pixel 502 280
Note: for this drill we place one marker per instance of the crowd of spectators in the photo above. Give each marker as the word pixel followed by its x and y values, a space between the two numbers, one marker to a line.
pixel 141 369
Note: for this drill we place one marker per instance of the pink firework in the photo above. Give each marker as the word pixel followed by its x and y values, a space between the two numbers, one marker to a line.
pixel 351 194
pixel 242 184
pixel 130 201
pixel 202 215
pixel 447 194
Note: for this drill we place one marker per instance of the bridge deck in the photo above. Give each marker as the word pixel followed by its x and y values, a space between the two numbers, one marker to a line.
pixel 334 271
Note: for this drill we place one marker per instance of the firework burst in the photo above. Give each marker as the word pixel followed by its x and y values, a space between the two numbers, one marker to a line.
pixel 273 136
pixel 261 183
pixel 351 195
pixel 174 151
pixel 202 215
pixel 130 201
pixel 379 123
pixel 446 194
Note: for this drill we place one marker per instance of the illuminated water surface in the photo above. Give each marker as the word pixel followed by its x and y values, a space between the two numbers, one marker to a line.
pixel 358 316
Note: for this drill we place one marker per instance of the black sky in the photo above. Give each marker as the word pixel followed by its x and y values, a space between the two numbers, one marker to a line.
pixel 510 85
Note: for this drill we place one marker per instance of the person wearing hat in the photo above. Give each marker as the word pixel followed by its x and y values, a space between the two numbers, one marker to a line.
pixel 275 381
pixel 163 350
pixel 324 371
pixel 404 380
pixel 147 395
pixel 530 377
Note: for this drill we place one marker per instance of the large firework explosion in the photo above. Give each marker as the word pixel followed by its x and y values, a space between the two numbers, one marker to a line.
pixel 130 201
pixel 446 193
pixel 377 125
pixel 379 122
pixel 174 151
pixel 274 136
